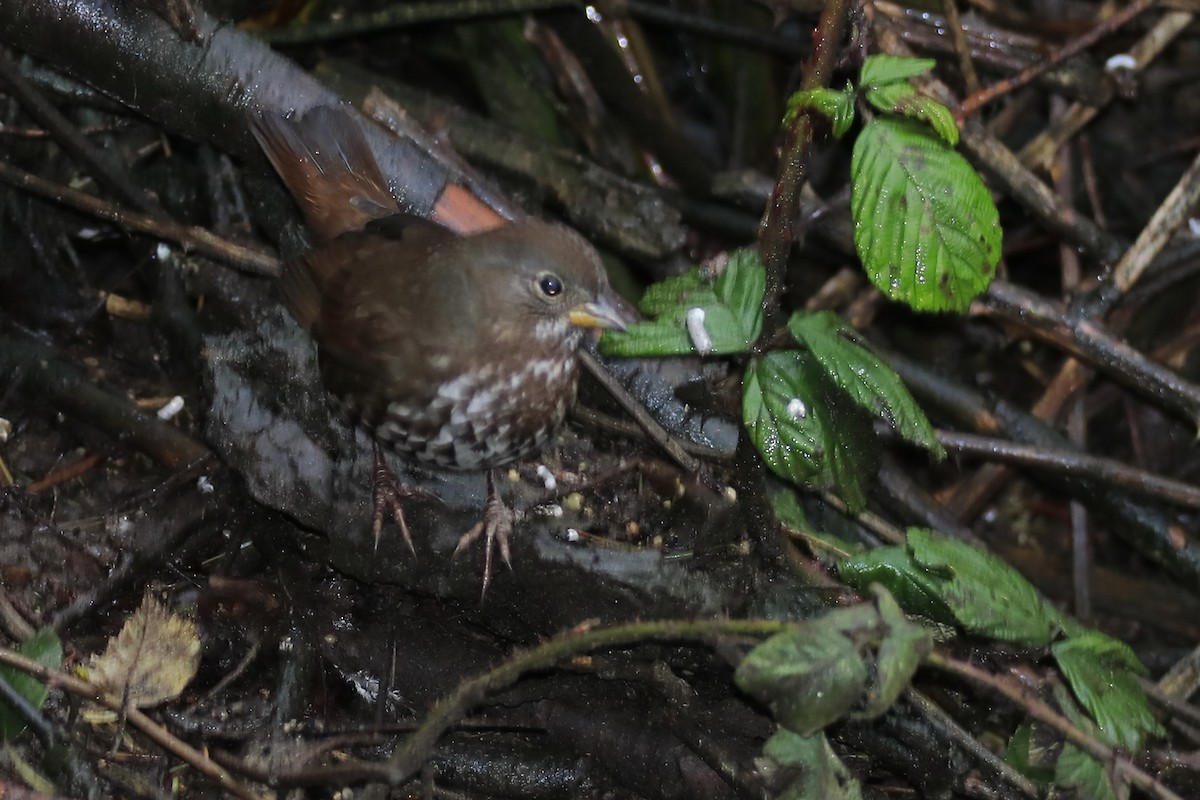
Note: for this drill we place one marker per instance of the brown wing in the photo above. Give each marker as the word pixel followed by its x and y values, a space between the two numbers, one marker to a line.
pixel 327 164
pixel 377 302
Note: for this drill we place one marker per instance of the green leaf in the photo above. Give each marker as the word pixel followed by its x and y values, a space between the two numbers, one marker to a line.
pixel 45 648
pixel 880 70
pixel 1103 673
pixel 901 98
pixel 808 676
pixel 695 316
pixel 902 650
pixel 1027 757
pixel 670 293
pixel 804 431
pixel 951 582
pixel 825 545
pixel 809 769
pixel 986 595
pixel 740 287
pixel 788 511
pixel 658 338
pixel 1078 771
pixel 859 372
pixel 925 226
pixel 836 106
pixel 918 592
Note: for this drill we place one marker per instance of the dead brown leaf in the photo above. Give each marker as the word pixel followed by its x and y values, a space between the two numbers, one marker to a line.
pixel 150 661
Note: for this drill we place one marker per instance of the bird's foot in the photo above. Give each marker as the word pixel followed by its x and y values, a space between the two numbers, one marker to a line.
pixel 495 527
pixel 388 492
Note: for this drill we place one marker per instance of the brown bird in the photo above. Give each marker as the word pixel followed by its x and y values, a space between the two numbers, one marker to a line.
pixel 458 351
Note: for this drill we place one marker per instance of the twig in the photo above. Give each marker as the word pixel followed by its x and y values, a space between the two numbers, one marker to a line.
pixel 1040 150
pixel 950 727
pixel 1040 711
pixel 71 140
pixel 190 237
pixel 407 759
pixel 657 433
pixel 1169 216
pixel 1089 340
pixel 404 15
pixel 1074 47
pixel 158 734
pixel 783 210
pixel 66 387
pixel 965 65
pixel 1108 470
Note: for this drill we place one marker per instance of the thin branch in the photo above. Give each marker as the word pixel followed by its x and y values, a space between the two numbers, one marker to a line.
pixel 190 237
pixel 1033 707
pixel 984 96
pixel 158 734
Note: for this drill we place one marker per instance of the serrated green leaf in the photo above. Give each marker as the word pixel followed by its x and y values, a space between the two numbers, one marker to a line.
pixel 791 441
pixel 665 337
pixel 809 769
pixel 740 287
pixel 808 676
pixel 670 293
pixel 1027 757
pixel 951 582
pixel 1078 771
pixel 903 99
pixel 694 316
pixel 887 98
pixel 986 595
pixel 804 433
pixel 917 591
pixel 925 226
pixel 814 673
pixel 872 384
pixel 45 648
pixel 902 650
pixel 668 335
pixel 1103 673
pixel 835 105
pixel 882 69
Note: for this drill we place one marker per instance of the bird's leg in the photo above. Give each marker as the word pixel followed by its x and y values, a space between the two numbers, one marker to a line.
pixel 495 527
pixel 388 491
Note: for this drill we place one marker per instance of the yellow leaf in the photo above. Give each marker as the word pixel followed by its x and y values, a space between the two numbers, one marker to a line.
pixel 151 660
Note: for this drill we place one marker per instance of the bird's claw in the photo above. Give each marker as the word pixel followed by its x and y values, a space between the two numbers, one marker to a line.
pixel 389 492
pixel 495 527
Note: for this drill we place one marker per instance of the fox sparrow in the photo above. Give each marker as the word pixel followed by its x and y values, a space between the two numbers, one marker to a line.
pixel 458 351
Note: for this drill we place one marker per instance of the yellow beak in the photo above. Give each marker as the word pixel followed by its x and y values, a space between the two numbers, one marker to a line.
pixel 608 310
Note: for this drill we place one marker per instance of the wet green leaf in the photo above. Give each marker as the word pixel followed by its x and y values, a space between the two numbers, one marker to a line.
pixel 695 316
pixel 809 769
pixel 861 374
pixel 902 649
pixel 925 226
pixel 1103 673
pixel 903 99
pixel 882 69
pixel 836 106
pixel 804 429
pixel 952 582
pixel 808 676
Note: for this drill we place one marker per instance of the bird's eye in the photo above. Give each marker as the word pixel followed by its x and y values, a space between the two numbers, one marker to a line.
pixel 550 285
